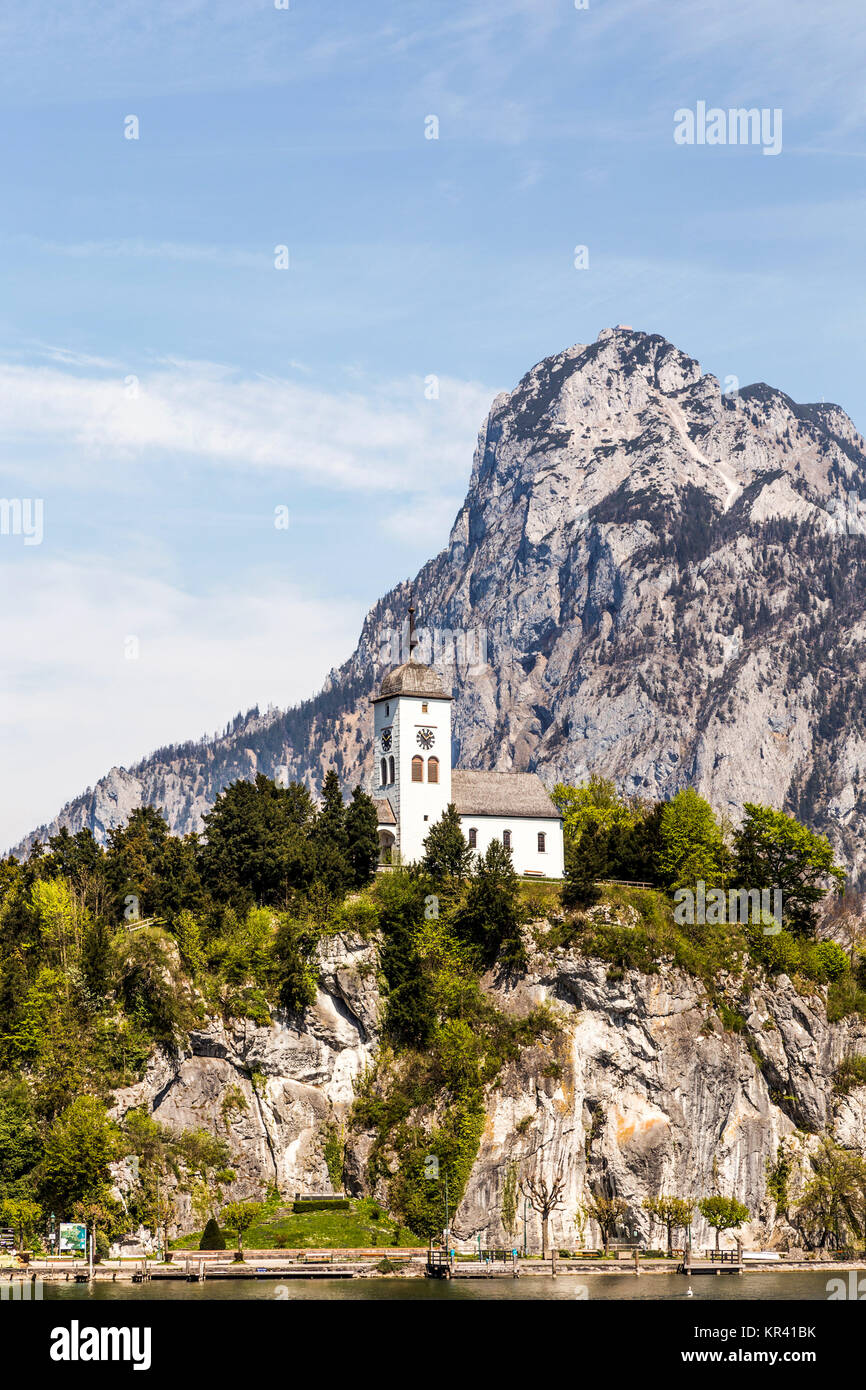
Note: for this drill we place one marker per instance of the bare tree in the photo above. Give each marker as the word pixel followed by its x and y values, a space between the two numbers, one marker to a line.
pixel 544 1197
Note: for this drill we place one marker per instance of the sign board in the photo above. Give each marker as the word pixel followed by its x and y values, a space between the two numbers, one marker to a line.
pixel 7 1238
pixel 73 1238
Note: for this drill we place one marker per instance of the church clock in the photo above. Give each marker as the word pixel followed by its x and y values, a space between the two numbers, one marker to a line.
pixel 386 740
pixel 426 738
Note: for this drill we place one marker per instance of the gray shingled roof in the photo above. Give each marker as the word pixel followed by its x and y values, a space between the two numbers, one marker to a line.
pixel 413 678
pixel 500 794
pixel 385 812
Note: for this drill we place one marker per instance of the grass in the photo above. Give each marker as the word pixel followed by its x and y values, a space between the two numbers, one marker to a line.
pixel 363 1225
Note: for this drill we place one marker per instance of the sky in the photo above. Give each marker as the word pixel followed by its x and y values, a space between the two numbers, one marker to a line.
pixel 264 269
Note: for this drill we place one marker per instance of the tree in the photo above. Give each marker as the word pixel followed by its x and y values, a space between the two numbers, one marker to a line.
pixel 670 1212
pixel 607 1213
pixel 410 1014
pixel 595 804
pixel 79 1147
pixel 585 864
pixel 257 843
pixel 833 1199
pixel 446 852
pixel 330 839
pixel 545 1195
pixel 692 845
pixel 239 1217
pixel 509 1201
pixel 212 1237
pixel 362 838
pixel 723 1214
pixel 489 920
pixel 23 1215
pixel 773 850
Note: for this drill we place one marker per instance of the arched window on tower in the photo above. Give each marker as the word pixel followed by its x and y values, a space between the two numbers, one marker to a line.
pixel 417 768
pixel 432 769
pixel 391 777
pixel 383 772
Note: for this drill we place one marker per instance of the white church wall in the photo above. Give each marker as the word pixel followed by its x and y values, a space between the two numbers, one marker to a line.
pixel 417 805
pixel 525 854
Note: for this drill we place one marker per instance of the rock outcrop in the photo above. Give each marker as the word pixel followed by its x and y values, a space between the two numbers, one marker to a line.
pixel 643 1091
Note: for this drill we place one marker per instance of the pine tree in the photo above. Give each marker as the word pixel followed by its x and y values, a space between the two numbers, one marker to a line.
pixel 446 852
pixel 331 840
pixel 362 836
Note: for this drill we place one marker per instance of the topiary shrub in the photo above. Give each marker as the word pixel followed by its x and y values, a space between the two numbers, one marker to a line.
pixel 212 1237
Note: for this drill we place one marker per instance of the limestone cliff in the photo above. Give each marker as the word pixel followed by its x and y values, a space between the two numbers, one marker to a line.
pixel 642 1091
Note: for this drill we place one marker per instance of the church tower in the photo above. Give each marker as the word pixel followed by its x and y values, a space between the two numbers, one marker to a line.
pixel 412 750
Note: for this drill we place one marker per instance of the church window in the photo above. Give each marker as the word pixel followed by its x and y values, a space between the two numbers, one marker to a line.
pixel 542 842
pixel 391 777
pixel 432 769
pixel 506 839
pixel 424 709
pixel 383 772
pixel 417 769
pixel 473 838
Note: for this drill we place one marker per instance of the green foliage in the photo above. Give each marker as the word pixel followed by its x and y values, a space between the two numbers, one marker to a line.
pixel 773 850
pixel 850 1073
pixel 257 845
pixel 671 1212
pixel 692 845
pixel 489 919
pixel 508 1209
pixel 322 1204
pixel 778 1176
pixel 362 838
pixel 79 1146
pixel 212 1237
pixel 334 1148
pixel 723 1214
pixel 447 855
pixel 297 969
pixel 240 1216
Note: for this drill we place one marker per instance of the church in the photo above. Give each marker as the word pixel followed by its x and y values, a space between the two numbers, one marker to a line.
pixel 414 782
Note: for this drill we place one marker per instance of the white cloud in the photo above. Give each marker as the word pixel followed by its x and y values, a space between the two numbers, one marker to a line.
pixel 387 437
pixel 76 705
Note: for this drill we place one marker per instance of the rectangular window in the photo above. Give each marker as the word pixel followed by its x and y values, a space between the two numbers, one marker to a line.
pixel 424 709
pixel 506 839
pixel 542 842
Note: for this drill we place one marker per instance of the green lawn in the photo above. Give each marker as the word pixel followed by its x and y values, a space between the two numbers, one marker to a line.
pixel 361 1226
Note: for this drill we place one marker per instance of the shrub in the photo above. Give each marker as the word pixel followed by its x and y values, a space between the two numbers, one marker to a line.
pixel 850 1073
pixel 212 1237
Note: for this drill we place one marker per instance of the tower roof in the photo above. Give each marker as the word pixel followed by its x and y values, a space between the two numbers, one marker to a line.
pixel 413 678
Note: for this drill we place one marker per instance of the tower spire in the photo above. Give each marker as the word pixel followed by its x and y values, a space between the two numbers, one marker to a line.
pixel 413 640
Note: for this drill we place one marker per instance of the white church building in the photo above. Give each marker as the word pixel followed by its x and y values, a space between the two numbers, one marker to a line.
pixel 414 782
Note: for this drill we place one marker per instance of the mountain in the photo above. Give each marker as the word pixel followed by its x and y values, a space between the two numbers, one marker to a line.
pixel 647 579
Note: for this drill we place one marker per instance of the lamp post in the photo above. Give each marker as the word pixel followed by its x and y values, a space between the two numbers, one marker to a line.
pixel 525 1205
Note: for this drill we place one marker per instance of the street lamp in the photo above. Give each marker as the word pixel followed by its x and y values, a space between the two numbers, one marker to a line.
pixel 525 1205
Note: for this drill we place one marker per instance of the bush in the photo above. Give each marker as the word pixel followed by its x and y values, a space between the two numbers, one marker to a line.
pixel 212 1237
pixel 850 1073
pixel 323 1204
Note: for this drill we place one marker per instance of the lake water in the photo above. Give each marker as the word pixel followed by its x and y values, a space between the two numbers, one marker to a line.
pixel 794 1286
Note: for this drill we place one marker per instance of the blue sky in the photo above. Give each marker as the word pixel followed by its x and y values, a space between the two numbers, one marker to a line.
pixel 164 387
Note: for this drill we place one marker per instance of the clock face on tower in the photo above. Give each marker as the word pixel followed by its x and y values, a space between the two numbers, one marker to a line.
pixel 426 738
pixel 386 739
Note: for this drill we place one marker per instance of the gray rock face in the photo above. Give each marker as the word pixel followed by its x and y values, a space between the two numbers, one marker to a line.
pixel 645 1093
pixel 294 1079
pixel 642 1092
pixel 646 580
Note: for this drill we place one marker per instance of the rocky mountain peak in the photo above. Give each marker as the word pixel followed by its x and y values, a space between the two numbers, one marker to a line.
pixel 648 578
